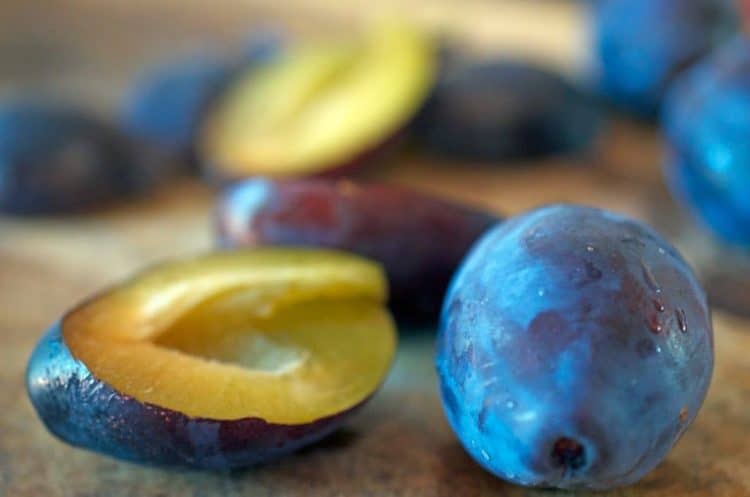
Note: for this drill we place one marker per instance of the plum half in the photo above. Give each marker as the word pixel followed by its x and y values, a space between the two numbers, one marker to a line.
pixel 575 348
pixel 418 239
pixel 221 361
pixel 320 108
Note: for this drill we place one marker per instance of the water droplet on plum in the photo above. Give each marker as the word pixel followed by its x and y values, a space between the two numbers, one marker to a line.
pixel 681 320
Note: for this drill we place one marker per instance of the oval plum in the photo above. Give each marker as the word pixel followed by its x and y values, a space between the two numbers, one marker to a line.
pixel 505 109
pixel 55 159
pixel 641 45
pixel 575 348
pixel 217 362
pixel 419 239
pixel 168 102
pixel 706 124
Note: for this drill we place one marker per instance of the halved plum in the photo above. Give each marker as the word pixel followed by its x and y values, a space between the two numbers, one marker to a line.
pixel 419 239
pixel 321 107
pixel 221 361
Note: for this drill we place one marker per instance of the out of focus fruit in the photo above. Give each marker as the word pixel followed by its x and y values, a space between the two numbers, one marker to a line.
pixel 575 349
pixel 419 239
pixel 499 110
pixel 169 101
pixel 221 361
pixel 55 159
pixel 640 46
pixel 707 123
pixel 320 108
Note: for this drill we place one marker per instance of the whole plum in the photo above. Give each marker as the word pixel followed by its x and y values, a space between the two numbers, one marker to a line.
pixel 418 239
pixel 575 348
pixel 505 109
pixel 641 45
pixel 167 103
pixel 54 158
pixel 707 122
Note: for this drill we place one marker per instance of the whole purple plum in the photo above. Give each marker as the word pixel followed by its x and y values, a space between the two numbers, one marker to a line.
pixel 706 120
pixel 641 45
pixel 54 158
pixel 575 348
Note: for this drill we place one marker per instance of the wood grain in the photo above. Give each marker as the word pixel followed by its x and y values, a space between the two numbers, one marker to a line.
pixel 400 444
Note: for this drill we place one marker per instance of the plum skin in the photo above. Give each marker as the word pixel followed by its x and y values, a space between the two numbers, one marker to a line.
pixel 641 45
pixel 420 240
pixel 55 158
pixel 166 105
pixel 709 164
pixel 490 110
pixel 575 347
pixel 168 102
pixel 86 412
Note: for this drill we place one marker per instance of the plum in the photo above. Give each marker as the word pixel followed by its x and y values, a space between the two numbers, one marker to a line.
pixel 221 361
pixel 494 110
pixel 575 347
pixel 55 158
pixel 641 45
pixel 420 240
pixel 707 123
pixel 168 102
pixel 321 109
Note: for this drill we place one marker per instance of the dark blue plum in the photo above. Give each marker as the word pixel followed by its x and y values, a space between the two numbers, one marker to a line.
pixel 86 412
pixel 575 348
pixel 707 122
pixel 641 45
pixel 166 105
pixel 168 102
pixel 504 109
pixel 55 159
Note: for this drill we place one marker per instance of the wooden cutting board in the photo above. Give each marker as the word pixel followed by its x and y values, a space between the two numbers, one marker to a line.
pixel 400 444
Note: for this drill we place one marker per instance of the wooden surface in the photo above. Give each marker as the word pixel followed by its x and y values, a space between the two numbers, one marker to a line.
pixel 400 444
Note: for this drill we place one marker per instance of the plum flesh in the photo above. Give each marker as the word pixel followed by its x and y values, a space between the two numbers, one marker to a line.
pixel 575 348
pixel 707 122
pixel 641 45
pixel 418 239
pixel 55 159
pixel 496 110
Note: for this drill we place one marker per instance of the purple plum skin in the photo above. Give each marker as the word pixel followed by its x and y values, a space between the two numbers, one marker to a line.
pixel 56 159
pixel 496 109
pixel 168 102
pixel 641 45
pixel 83 411
pixel 419 239
pixel 575 348
pixel 706 120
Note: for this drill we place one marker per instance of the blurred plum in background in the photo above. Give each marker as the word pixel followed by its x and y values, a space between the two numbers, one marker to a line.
pixel 55 158
pixel 640 46
pixel 169 100
pixel 321 108
pixel 707 125
pixel 494 110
